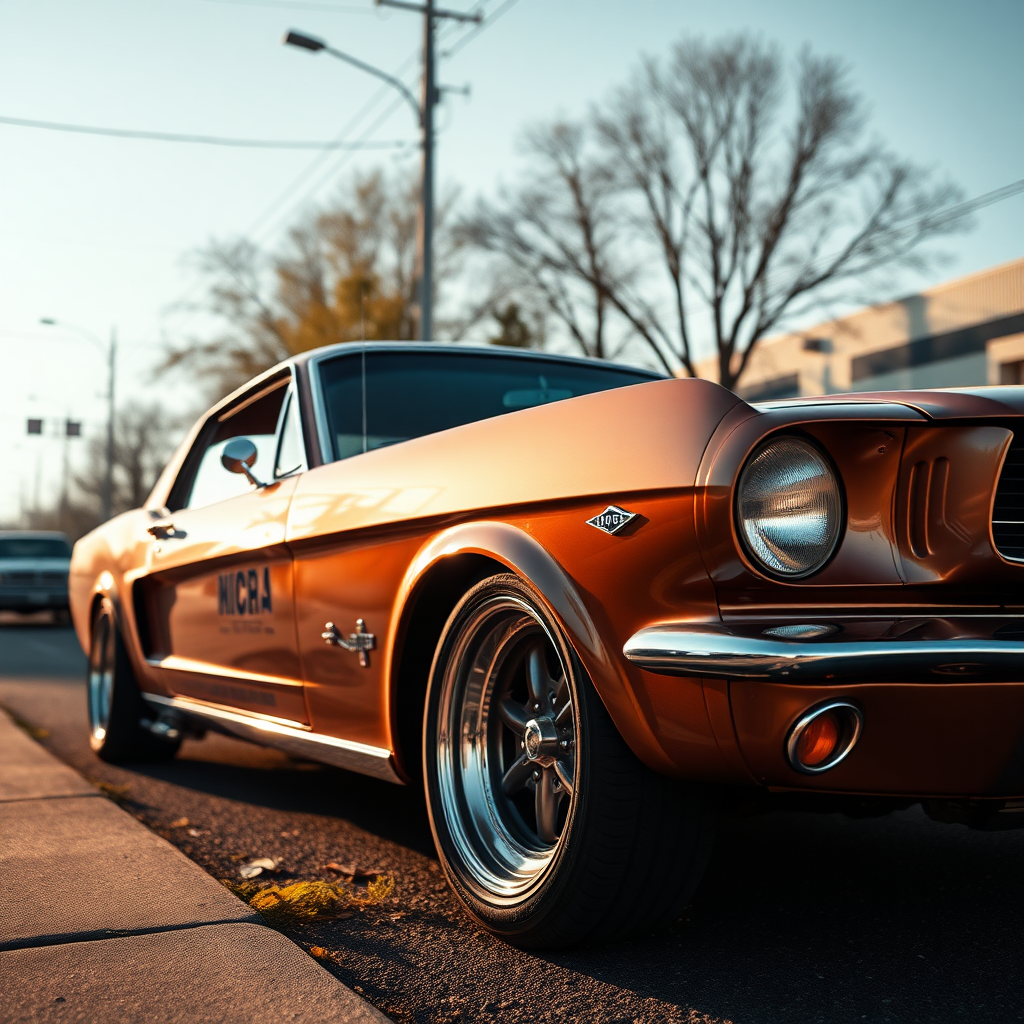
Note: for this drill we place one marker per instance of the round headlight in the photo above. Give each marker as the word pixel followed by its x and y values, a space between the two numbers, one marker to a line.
pixel 789 507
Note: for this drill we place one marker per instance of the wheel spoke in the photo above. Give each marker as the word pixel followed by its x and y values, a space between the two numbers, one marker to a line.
pixel 517 776
pixel 546 804
pixel 564 773
pixel 538 679
pixel 564 717
pixel 561 689
pixel 514 715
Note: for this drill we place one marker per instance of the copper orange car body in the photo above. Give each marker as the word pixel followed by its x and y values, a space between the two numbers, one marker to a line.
pixel 224 608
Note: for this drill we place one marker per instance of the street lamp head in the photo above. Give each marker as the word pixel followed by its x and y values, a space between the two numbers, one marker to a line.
pixel 306 42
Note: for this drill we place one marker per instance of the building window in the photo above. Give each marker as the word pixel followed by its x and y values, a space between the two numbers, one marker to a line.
pixel 1012 373
pixel 772 390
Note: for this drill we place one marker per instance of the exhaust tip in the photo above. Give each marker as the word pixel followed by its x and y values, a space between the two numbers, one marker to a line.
pixel 823 736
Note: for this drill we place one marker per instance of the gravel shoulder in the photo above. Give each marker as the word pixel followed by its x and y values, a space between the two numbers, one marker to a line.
pixel 801 918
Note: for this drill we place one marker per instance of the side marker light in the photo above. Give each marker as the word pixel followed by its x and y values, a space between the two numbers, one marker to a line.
pixel 823 736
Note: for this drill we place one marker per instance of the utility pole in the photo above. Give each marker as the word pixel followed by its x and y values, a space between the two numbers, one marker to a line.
pixel 425 220
pixel 429 97
pixel 108 483
pixel 110 351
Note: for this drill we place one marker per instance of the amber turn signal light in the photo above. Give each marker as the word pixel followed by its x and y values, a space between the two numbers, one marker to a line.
pixel 823 736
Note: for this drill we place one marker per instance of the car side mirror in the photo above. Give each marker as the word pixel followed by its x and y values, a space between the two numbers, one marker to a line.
pixel 238 455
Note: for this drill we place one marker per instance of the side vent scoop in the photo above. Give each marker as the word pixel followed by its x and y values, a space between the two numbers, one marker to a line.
pixel 1008 510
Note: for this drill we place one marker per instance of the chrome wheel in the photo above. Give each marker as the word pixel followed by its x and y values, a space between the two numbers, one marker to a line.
pixel 506 754
pixel 101 678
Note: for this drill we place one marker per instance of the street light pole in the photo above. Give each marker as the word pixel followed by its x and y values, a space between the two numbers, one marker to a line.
pixel 429 97
pixel 111 353
pixel 108 484
pixel 425 220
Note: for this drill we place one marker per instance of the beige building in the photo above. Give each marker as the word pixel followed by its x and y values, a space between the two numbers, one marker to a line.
pixel 968 331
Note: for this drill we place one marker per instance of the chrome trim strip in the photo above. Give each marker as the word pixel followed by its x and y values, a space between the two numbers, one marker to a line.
pixel 686 649
pixel 292 739
pixel 176 663
pixel 319 412
pixel 840 753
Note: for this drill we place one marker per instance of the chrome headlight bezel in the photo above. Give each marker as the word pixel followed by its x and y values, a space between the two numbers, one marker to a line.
pixel 818 455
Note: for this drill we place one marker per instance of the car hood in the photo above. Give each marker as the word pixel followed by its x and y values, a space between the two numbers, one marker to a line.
pixel 945 404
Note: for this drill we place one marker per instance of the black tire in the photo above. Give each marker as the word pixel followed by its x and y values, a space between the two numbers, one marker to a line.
pixel 115 706
pixel 624 849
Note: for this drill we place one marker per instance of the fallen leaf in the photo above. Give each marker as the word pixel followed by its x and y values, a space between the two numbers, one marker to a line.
pixel 180 823
pixel 318 951
pixel 351 871
pixel 116 793
pixel 256 867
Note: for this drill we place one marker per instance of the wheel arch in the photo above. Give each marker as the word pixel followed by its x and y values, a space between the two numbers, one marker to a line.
pixel 104 586
pixel 443 570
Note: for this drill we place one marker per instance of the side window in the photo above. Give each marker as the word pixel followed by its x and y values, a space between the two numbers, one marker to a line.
pixel 290 455
pixel 408 394
pixel 341 381
pixel 205 480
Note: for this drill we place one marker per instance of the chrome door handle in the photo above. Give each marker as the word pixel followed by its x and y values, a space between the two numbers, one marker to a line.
pixel 360 641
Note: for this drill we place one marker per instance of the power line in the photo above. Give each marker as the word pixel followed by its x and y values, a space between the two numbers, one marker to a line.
pixel 295 193
pixel 209 140
pixel 477 29
pixel 911 223
pixel 962 209
pixel 291 196
pixel 285 202
pixel 300 5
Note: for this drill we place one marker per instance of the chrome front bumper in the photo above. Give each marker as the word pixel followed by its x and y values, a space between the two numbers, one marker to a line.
pixel 686 649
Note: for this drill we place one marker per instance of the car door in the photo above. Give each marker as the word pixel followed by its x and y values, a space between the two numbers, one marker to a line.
pixel 218 594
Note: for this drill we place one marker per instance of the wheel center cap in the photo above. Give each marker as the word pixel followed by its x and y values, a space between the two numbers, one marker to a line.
pixel 540 738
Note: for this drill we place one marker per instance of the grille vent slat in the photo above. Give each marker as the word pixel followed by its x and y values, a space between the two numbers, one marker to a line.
pixel 1008 508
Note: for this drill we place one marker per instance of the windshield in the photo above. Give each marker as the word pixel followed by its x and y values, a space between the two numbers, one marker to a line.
pixel 34 547
pixel 409 394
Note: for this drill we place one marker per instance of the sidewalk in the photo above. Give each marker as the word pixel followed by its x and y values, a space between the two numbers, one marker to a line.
pixel 101 920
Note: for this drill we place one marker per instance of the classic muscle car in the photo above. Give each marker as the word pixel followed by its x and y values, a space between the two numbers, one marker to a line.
pixel 580 605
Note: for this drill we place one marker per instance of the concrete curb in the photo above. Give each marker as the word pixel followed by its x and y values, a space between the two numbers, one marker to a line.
pixel 101 919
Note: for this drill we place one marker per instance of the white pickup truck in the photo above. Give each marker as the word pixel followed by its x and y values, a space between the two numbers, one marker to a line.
pixel 34 572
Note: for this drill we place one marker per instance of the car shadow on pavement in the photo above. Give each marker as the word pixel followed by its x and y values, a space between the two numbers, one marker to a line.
pixel 394 813
pixel 807 918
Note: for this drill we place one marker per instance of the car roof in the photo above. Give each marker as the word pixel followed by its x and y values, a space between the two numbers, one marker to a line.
pixel 497 351
pixel 315 355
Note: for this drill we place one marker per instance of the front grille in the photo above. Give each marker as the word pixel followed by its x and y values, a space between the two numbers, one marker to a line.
pixel 1008 510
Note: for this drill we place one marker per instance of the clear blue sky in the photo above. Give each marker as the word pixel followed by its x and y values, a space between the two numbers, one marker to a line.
pixel 95 230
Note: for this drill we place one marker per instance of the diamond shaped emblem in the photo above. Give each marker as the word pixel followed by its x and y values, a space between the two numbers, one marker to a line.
pixel 612 519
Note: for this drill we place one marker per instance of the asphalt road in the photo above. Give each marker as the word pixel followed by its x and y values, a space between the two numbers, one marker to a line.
pixel 800 919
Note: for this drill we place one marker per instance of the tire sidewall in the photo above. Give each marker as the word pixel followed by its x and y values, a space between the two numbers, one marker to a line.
pixel 526 913
pixel 104 610
pixel 125 738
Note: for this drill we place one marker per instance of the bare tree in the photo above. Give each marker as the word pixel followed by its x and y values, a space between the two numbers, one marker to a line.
pixel 345 273
pixel 145 436
pixel 736 192
pixel 555 234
